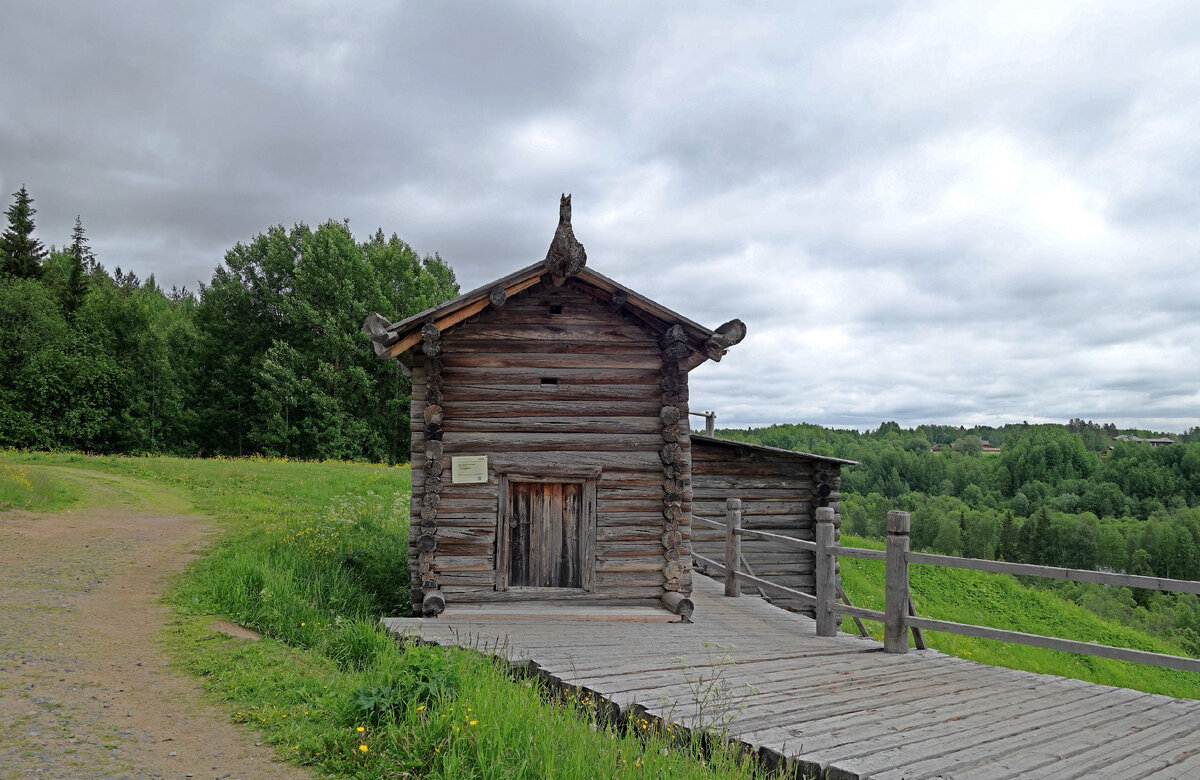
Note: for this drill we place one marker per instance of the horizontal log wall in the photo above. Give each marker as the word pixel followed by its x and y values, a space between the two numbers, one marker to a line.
pixel 779 493
pixel 602 411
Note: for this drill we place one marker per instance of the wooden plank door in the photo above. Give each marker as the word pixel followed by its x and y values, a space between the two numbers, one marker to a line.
pixel 544 535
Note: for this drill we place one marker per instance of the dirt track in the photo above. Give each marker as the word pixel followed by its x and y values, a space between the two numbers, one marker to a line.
pixel 85 690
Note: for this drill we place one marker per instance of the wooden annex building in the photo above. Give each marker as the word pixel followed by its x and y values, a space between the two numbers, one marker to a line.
pixel 551 455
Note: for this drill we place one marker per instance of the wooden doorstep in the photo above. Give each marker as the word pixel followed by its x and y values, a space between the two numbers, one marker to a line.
pixel 562 612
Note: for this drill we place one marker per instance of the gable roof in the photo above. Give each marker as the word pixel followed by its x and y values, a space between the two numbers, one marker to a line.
pixel 398 339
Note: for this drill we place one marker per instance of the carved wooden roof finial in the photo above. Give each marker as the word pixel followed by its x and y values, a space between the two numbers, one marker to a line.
pixel 566 256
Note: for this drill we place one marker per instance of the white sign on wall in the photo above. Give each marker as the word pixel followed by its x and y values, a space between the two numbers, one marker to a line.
pixel 468 468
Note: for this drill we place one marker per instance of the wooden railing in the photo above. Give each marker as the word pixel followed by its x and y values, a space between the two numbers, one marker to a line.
pixel 898 616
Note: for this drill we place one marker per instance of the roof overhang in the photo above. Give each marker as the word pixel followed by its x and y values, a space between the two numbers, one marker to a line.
pixel 693 342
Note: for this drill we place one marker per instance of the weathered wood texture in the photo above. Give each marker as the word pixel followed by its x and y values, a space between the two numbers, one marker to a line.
pixel 554 381
pixel 779 494
pixel 837 705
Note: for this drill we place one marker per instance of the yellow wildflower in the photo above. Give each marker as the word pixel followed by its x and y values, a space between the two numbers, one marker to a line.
pixel 363 748
pixel 361 729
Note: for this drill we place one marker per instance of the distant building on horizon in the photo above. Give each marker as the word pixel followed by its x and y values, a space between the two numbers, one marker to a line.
pixel 1162 441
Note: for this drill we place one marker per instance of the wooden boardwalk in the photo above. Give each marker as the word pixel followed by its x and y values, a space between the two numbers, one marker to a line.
pixel 839 705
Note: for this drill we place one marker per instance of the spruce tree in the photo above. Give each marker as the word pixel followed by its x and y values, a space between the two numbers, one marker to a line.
pixel 82 262
pixel 80 251
pixel 21 254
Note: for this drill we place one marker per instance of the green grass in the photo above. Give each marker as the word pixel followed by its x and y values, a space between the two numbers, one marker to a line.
pixel 1000 601
pixel 28 487
pixel 311 555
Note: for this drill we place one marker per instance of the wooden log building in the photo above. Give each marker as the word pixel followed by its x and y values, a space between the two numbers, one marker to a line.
pixel 551 455
pixel 780 491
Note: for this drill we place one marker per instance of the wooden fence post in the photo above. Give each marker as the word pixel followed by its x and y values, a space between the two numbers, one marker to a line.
pixel 826 571
pixel 733 545
pixel 896 595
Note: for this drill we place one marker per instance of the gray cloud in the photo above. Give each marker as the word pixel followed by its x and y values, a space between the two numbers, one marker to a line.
pixel 932 213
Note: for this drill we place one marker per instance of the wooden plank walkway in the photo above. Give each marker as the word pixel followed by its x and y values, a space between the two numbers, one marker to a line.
pixel 839 705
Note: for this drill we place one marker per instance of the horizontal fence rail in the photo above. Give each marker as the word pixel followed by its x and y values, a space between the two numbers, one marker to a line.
pixel 899 618
pixel 1059 573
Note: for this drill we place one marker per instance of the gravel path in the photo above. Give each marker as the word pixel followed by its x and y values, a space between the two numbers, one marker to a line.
pixel 85 691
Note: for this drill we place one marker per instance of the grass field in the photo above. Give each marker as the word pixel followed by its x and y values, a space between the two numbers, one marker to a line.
pixel 311 555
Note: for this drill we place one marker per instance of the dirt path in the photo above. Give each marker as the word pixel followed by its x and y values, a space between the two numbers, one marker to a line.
pixel 85 691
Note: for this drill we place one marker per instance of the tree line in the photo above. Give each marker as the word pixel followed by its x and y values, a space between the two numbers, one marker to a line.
pixel 266 358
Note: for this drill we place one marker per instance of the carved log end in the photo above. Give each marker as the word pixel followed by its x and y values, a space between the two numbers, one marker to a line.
pixel 433 415
pixel 433 450
pixel 670 433
pixel 375 326
pixel 669 415
pixel 671 454
pixel 679 604
pixel 433 468
pixel 433 603
pixel 428 516
pixel 433 433
pixel 433 395
pixel 433 485
pixel 677 396
pixel 727 335
pixel 426 543
pixel 497 296
pixel 673 335
pixel 677 351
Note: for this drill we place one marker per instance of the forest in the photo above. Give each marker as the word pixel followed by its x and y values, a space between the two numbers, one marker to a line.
pixel 266 358
pixel 1058 495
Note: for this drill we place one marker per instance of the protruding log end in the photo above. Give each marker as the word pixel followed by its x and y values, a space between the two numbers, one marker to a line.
pixel 725 337
pixel 433 604
pixel 497 296
pixel 679 604
pixel 673 335
pixel 375 326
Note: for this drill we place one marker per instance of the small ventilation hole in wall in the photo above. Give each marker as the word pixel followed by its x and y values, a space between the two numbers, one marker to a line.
pixel 549 380
pixel 556 308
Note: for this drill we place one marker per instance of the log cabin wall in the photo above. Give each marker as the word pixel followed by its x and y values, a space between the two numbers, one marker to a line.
pixel 551 381
pixel 779 492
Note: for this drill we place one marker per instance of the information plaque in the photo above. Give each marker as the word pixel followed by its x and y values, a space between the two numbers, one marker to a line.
pixel 468 468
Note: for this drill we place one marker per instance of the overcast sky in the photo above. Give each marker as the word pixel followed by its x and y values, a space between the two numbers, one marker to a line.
pixel 925 212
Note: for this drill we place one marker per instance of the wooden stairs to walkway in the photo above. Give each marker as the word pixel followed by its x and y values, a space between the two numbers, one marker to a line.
pixel 839 706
